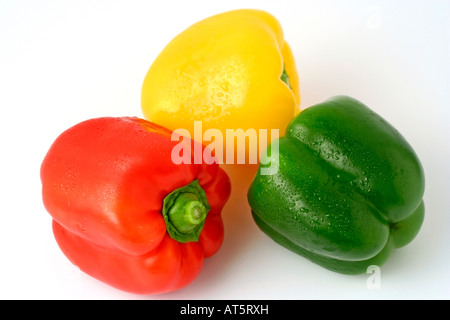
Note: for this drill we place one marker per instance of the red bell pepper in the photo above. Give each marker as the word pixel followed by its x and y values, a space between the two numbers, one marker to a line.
pixel 124 212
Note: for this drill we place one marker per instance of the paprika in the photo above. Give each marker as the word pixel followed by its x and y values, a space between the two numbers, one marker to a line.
pixel 124 212
pixel 348 189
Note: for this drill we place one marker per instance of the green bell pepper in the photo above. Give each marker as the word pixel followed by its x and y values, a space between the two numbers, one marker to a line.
pixel 347 191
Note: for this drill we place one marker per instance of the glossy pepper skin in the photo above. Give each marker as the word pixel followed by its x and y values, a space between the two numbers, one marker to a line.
pixel 114 192
pixel 231 71
pixel 348 189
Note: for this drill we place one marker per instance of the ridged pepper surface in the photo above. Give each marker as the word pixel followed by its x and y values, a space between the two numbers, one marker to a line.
pixel 124 212
pixel 232 71
pixel 348 189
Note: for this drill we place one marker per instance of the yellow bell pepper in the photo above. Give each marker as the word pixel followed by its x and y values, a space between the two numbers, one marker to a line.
pixel 231 71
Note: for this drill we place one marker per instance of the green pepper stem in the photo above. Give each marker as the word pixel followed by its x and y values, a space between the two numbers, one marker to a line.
pixel 195 212
pixel 285 78
pixel 184 211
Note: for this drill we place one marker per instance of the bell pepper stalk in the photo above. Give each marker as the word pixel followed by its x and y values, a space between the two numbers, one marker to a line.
pixel 348 189
pixel 124 213
pixel 233 71
pixel 184 211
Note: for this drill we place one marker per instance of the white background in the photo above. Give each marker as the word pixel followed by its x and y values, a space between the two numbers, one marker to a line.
pixel 62 62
